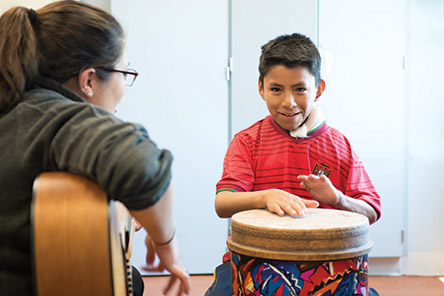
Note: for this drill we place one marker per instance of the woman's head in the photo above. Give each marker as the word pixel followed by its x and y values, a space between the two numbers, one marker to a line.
pixel 60 41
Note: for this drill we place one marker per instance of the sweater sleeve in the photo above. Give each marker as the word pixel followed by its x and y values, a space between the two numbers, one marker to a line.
pixel 87 140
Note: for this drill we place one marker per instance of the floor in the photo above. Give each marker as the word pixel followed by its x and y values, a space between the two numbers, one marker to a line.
pixel 385 285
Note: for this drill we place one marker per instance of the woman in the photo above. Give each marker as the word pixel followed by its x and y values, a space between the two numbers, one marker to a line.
pixel 63 70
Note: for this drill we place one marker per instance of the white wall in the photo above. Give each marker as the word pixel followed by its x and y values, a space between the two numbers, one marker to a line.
pixel 249 31
pixel 411 111
pixel 425 96
pixel 35 4
pixel 180 96
pixel 104 4
pixel 363 44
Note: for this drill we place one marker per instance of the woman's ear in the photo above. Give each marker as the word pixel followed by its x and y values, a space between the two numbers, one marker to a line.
pixel 86 87
pixel 261 89
pixel 321 88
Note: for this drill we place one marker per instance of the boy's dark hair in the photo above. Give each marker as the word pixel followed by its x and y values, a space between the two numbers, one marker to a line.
pixel 291 51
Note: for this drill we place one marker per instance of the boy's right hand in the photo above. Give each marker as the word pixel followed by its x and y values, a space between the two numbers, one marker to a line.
pixel 282 202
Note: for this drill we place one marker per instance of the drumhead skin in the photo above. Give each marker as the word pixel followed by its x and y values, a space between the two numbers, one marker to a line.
pixel 323 234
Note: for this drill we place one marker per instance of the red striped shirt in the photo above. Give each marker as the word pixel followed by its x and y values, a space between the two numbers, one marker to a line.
pixel 264 156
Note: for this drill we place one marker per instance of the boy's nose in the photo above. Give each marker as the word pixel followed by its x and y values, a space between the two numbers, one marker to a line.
pixel 289 101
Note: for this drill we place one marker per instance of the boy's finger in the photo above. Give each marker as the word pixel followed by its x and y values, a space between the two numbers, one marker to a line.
pixel 299 209
pixel 311 203
pixel 291 211
pixel 302 177
pixel 275 208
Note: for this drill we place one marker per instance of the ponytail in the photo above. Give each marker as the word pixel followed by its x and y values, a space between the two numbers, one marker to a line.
pixel 18 56
pixel 58 41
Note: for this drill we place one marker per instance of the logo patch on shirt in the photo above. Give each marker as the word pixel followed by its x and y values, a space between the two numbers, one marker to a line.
pixel 321 169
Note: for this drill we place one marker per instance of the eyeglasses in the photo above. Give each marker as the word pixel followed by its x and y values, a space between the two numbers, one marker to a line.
pixel 129 76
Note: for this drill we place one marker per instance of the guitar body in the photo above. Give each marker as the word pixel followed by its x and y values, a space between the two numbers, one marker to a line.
pixel 80 243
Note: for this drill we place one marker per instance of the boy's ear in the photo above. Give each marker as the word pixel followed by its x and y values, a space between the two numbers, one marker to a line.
pixel 321 88
pixel 261 89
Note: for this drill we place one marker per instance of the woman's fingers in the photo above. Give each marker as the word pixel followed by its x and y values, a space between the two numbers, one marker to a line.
pixel 169 285
pixel 179 273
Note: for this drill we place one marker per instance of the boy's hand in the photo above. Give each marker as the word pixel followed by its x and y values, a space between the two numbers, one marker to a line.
pixel 320 189
pixel 281 202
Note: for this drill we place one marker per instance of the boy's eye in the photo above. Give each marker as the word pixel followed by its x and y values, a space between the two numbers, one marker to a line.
pixel 275 89
pixel 300 89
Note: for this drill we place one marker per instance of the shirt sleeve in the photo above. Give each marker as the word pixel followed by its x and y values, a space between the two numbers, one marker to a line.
pixel 359 186
pixel 238 173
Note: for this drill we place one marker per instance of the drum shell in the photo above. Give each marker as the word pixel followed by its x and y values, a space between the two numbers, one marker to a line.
pixel 324 252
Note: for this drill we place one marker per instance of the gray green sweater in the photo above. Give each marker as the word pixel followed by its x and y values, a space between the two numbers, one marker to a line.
pixel 53 129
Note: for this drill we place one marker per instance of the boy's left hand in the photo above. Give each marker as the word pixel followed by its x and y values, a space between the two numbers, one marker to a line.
pixel 320 188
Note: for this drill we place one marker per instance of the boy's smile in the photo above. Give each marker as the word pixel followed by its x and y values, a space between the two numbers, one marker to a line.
pixel 290 94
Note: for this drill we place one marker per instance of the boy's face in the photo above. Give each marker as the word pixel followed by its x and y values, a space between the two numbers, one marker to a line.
pixel 290 94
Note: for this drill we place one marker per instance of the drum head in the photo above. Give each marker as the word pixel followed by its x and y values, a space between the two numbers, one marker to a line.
pixel 322 234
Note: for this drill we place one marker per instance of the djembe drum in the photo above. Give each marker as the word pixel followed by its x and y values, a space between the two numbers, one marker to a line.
pixel 323 253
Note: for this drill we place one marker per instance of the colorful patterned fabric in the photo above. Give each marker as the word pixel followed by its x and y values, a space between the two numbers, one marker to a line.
pixel 257 276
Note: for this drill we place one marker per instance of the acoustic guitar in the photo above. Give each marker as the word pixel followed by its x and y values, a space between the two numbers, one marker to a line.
pixel 81 240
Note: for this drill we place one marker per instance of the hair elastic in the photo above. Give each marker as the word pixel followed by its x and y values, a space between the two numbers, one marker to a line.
pixel 32 15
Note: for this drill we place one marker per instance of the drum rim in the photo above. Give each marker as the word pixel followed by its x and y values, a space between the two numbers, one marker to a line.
pixel 299 256
pixel 293 241
pixel 300 234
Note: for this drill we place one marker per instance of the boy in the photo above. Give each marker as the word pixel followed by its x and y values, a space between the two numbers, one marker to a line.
pixel 292 159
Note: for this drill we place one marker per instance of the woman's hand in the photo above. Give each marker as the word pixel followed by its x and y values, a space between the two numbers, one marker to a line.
pixel 137 225
pixel 169 259
pixel 159 223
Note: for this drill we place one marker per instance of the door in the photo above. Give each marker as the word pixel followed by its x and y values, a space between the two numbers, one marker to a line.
pixel 180 50
pixel 363 44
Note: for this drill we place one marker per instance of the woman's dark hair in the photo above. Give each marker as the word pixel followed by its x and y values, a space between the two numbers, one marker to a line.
pixel 291 51
pixel 57 41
